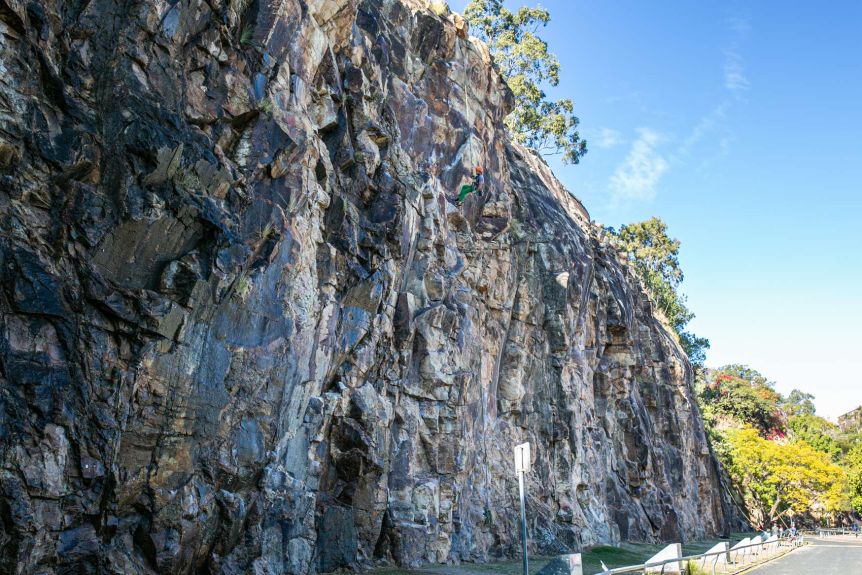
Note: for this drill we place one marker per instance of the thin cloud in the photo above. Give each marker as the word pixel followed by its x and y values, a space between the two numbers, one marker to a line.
pixel 637 177
pixel 606 138
pixel 713 120
pixel 715 125
pixel 735 80
pixel 651 155
pixel 734 72
pixel 739 25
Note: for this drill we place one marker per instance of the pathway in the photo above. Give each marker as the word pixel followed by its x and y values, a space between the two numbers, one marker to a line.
pixel 834 556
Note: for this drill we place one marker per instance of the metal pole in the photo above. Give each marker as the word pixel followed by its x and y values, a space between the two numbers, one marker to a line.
pixel 523 520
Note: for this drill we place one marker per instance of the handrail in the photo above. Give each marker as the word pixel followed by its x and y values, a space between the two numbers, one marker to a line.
pixel 643 566
pixel 835 530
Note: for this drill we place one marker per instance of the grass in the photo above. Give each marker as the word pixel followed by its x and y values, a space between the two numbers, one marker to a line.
pixel 188 180
pixel 247 36
pixel 693 568
pixel 265 106
pixel 265 232
pixel 612 557
pixel 626 554
pixel 242 285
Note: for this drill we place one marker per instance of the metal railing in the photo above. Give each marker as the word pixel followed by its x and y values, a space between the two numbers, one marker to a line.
pixel 723 562
pixel 835 531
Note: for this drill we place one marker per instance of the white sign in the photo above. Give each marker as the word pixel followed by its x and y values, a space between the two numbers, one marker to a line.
pixel 522 458
pixel 576 567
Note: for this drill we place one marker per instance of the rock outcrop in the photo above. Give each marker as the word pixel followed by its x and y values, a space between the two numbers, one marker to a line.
pixel 244 330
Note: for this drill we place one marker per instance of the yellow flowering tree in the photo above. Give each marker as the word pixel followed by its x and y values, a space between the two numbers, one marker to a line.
pixel 854 477
pixel 777 479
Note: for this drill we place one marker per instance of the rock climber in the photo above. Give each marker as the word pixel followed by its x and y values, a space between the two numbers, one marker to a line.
pixel 475 187
pixel 478 180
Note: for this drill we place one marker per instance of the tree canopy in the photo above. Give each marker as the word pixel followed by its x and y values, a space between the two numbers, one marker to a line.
pixel 744 396
pixel 779 480
pixel 656 261
pixel 816 432
pixel 782 458
pixel 854 477
pixel 548 126
pixel 799 403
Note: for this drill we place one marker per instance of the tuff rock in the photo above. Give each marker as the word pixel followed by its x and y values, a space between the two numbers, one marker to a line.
pixel 243 328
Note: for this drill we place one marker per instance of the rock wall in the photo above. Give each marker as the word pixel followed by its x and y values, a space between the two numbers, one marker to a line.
pixel 242 328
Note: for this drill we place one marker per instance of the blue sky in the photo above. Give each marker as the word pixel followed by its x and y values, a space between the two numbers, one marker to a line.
pixel 740 124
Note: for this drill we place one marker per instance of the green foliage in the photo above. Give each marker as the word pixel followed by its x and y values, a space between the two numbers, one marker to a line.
pixel 778 479
pixel 265 106
pixel 694 568
pixel 853 465
pixel 694 346
pixel 524 61
pixel 247 36
pixel 265 232
pixel 242 285
pixel 743 395
pixel 816 432
pixel 798 403
pixel 516 229
pixel 738 403
pixel 656 261
pixel 751 375
pixel 188 180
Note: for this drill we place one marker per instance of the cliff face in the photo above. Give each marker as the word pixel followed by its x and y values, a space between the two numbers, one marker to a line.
pixel 243 330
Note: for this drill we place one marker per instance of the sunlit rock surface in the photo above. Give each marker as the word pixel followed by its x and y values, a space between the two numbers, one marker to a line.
pixel 243 329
